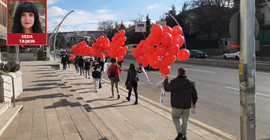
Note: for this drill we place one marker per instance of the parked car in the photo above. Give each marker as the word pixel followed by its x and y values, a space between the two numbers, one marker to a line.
pixel 231 54
pixel 197 54
pixel 63 53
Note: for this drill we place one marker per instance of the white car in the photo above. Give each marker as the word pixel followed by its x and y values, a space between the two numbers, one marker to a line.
pixel 231 54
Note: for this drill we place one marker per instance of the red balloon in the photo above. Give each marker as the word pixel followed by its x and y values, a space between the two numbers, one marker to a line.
pixel 125 48
pixel 157 30
pixel 155 63
pixel 161 50
pixel 122 32
pixel 166 39
pixel 183 55
pixel 178 39
pixel 173 49
pixel 153 39
pixel 119 58
pixel 176 30
pixel 148 48
pixel 168 59
pixel 167 29
pixel 165 70
pixel 123 39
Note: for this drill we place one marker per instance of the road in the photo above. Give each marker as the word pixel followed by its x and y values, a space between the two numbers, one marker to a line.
pixel 218 91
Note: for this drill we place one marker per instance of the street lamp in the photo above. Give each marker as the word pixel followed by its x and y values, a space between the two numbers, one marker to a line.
pixel 182 32
pixel 268 5
pixel 55 31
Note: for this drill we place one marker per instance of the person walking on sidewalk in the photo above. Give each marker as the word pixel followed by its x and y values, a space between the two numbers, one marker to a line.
pixel 96 74
pixel 76 62
pixel 64 62
pixel 81 65
pixel 114 75
pixel 131 81
pixel 68 61
pixel 87 65
pixel 183 94
pixel 101 65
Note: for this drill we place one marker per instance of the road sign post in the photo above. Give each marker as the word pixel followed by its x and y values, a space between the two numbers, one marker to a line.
pixel 247 70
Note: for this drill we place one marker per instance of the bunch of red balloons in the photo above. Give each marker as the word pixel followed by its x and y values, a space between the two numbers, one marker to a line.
pixel 101 47
pixel 81 49
pixel 116 49
pixel 161 48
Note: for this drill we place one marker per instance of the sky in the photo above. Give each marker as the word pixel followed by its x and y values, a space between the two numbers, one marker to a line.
pixel 88 13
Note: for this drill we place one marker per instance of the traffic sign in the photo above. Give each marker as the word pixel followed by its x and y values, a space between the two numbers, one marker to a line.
pixel 140 26
pixel 234 27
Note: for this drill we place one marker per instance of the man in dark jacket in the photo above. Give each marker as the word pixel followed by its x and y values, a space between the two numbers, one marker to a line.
pixel 64 62
pixel 183 94
pixel 81 65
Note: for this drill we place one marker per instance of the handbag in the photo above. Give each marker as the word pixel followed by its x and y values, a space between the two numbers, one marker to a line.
pixel 129 85
pixel 112 74
pixel 137 78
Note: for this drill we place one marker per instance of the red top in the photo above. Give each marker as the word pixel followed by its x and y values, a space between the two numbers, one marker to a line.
pixel 113 68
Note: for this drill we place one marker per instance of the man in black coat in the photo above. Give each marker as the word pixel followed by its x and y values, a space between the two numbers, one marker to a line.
pixel 64 62
pixel 183 94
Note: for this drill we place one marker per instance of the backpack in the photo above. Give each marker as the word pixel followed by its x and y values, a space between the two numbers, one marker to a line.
pixel 96 74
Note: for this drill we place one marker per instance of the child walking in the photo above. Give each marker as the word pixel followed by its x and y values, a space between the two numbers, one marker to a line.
pixel 96 74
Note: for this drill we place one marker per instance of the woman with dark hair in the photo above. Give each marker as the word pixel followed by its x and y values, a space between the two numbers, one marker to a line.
pixel 132 79
pixel 26 19
pixel 116 69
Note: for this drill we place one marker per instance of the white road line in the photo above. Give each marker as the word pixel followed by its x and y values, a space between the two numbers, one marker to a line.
pixel 257 93
pixel 200 70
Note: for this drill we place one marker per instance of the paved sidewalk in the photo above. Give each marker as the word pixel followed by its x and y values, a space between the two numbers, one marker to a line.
pixel 63 105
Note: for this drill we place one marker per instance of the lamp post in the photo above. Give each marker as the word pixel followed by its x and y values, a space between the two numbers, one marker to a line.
pixel 182 32
pixel 267 4
pixel 55 31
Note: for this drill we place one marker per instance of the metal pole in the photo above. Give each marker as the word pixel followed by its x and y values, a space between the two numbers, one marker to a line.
pixel 58 26
pixel 13 88
pixel 182 31
pixel 17 48
pixel 268 5
pixel 247 70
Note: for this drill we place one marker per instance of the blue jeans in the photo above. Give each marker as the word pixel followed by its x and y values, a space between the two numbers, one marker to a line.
pixel 176 115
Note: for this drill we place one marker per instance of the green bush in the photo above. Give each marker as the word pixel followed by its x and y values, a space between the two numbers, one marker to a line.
pixel 10 66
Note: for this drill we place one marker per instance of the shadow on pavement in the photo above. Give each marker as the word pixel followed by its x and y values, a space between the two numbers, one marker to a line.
pixel 46 80
pixel 119 104
pixel 38 88
pixel 102 99
pixel 43 97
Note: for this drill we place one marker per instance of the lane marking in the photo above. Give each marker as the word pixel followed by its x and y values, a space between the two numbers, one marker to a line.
pixel 205 71
pixel 257 93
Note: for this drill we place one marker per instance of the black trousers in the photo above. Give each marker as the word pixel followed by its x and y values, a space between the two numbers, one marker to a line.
pixel 135 86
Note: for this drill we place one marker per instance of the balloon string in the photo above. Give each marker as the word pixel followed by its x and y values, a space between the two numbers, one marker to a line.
pixel 179 26
pixel 146 76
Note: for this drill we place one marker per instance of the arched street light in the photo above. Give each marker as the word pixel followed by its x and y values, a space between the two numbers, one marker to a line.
pixel 182 32
pixel 55 31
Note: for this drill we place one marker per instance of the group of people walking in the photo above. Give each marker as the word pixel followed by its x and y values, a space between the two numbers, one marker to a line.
pixel 88 67
pixel 183 91
pixel 65 61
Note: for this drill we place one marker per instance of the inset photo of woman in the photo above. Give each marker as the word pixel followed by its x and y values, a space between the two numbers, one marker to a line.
pixel 27 23
pixel 26 16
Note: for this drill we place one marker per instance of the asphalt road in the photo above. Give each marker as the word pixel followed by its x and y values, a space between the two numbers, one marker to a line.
pixel 218 89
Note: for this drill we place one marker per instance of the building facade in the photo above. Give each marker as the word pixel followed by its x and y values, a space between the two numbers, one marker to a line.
pixel 3 22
